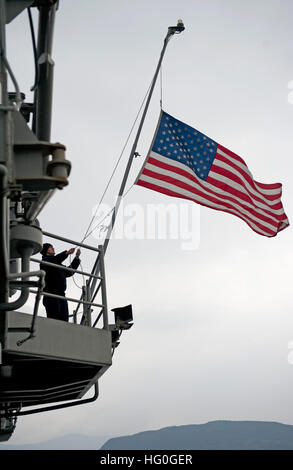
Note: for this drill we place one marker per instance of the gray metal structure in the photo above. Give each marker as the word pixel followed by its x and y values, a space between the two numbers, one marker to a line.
pixel 45 364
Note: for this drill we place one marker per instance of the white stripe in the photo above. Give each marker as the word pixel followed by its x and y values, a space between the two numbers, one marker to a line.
pixel 247 185
pixel 244 167
pixel 239 187
pixel 195 197
pixel 284 223
pixel 271 192
pixel 168 161
pixel 234 160
pixel 207 203
pixel 220 192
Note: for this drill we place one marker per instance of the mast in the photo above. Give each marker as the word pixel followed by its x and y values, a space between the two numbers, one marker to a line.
pixel 171 31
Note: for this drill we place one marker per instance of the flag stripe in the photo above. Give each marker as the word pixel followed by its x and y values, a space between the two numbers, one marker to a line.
pixel 212 184
pixel 151 185
pixel 162 173
pixel 225 184
pixel 244 171
pixel 192 191
pixel 269 229
pixel 189 170
pixel 241 163
pixel 235 176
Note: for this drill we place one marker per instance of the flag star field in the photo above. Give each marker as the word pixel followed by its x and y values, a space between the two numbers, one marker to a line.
pixel 181 142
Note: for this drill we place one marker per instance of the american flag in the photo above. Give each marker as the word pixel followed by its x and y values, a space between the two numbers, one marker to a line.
pixel 185 163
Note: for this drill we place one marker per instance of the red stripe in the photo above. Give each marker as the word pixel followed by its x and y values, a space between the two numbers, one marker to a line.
pixel 245 197
pixel 223 186
pixel 239 159
pixel 250 197
pixel 247 177
pixel 231 154
pixel 270 186
pixel 232 177
pixel 210 198
pixel 154 187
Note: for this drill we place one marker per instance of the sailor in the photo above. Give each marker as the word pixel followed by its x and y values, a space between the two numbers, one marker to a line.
pixel 55 280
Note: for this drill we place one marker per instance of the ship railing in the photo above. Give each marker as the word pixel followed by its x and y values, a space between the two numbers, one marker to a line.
pixel 86 300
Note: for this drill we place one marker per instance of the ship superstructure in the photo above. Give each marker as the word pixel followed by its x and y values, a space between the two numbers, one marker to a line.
pixel 45 364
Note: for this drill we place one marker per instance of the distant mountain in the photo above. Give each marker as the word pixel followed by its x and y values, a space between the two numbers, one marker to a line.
pixel 215 435
pixel 69 442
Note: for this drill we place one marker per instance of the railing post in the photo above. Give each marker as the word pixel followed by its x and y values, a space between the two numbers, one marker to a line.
pixel 103 288
pixel 86 308
pixel 89 310
pixel 74 316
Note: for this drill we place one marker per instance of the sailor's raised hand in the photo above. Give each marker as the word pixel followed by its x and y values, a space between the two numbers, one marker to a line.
pixel 77 253
pixel 69 252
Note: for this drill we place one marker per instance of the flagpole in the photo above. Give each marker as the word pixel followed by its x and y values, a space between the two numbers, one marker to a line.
pixel 171 31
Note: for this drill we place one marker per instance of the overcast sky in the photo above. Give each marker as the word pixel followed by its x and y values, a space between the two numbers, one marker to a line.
pixel 212 324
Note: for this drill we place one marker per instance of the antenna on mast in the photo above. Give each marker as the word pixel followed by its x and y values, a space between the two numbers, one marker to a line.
pixel 177 29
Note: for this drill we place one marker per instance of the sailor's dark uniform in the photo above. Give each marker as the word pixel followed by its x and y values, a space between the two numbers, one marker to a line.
pixel 55 283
